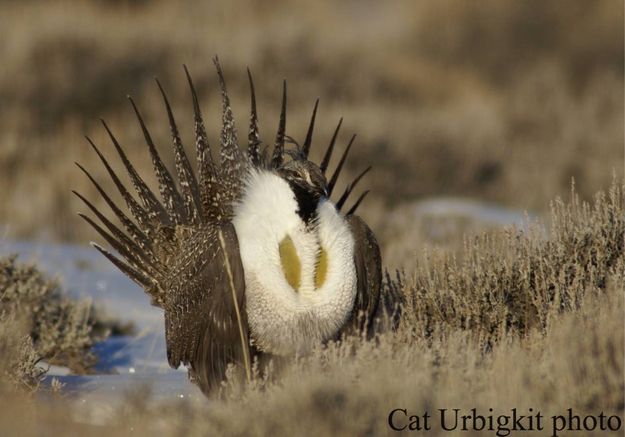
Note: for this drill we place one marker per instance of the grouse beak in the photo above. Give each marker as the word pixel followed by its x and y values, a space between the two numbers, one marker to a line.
pixel 321 192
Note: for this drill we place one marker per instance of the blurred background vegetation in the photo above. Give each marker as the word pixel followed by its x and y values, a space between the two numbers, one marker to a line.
pixel 502 101
pixel 499 101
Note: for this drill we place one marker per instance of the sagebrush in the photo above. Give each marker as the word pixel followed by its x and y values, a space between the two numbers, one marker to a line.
pixel 521 319
pixel 38 323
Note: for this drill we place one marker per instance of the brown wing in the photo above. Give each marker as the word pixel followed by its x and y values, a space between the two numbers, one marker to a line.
pixel 205 320
pixel 367 261
pixel 183 249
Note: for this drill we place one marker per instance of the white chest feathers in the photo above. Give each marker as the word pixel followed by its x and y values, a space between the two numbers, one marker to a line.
pixel 300 283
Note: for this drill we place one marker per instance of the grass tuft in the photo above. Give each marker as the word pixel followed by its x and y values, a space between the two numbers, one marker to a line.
pixel 519 319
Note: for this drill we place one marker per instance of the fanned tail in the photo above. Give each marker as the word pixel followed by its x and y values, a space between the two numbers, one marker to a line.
pixel 278 148
pixel 253 136
pixel 209 184
pixel 233 162
pixel 153 235
pixel 188 182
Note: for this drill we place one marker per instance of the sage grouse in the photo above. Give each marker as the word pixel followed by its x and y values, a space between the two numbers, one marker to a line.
pixel 249 256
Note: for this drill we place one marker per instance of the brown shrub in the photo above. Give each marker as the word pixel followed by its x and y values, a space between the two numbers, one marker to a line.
pixel 509 283
pixel 40 323
pixel 520 320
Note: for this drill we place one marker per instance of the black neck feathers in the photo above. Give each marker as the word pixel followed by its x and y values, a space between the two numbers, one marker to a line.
pixel 307 202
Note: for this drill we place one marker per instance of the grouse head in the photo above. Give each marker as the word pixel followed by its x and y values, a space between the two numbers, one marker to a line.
pixel 308 183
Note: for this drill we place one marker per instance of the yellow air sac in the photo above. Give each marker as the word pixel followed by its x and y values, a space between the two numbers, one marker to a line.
pixel 291 265
pixel 322 268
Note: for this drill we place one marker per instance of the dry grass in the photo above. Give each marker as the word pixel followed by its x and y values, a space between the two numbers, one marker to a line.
pixel 40 323
pixel 512 282
pixel 522 320
pixel 497 100
pixel 505 101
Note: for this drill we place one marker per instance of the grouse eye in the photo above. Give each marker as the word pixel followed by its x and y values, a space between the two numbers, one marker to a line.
pixel 293 174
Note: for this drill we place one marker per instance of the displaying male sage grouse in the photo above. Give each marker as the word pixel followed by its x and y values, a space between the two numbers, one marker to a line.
pixel 251 257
